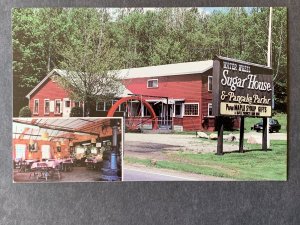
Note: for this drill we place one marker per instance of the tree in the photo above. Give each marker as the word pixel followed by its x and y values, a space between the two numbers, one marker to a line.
pixel 37 35
pixel 95 41
pixel 25 112
pixel 89 59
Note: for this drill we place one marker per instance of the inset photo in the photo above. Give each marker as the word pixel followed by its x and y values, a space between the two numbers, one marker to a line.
pixel 67 149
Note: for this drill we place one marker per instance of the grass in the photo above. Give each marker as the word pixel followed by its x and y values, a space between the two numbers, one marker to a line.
pixel 281 117
pixel 254 164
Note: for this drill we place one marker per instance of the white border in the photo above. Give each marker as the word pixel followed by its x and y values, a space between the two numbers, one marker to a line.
pixel 68 118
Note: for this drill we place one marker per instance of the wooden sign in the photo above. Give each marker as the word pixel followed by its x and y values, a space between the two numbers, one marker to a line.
pixel 241 88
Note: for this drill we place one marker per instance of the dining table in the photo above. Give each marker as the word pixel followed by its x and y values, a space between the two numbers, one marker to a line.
pixel 67 164
pixel 25 165
pixel 49 164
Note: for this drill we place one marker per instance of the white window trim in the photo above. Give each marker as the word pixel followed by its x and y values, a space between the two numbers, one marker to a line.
pixel 190 103
pixel 208 104
pixel 60 108
pixel 79 103
pixel 209 79
pixel 114 102
pixel 45 106
pixel 64 103
pixel 38 108
pixel 151 80
pixel 104 107
pixel 182 110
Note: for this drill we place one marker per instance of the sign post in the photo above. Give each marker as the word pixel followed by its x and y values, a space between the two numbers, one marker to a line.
pixel 242 128
pixel 220 122
pixel 265 134
pixel 241 89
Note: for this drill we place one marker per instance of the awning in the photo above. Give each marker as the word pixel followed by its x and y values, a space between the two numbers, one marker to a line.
pixel 171 101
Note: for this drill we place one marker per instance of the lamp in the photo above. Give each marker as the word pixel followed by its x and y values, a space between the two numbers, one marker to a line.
pixel 45 136
pixel 71 144
pixel 31 142
pixel 57 144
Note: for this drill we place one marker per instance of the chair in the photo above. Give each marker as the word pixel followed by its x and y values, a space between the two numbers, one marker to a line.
pixel 34 172
pixel 43 170
pixel 56 171
pixel 23 166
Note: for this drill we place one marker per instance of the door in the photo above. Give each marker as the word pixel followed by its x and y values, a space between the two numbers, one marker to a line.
pixel 66 107
pixel 20 151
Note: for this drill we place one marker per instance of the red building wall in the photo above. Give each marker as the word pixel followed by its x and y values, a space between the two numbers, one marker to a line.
pixel 192 88
pixel 65 152
pixel 49 90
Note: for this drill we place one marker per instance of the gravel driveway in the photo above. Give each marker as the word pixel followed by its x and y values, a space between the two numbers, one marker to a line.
pixel 138 143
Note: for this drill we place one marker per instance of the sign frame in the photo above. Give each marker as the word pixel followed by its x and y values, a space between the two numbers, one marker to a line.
pixel 258 80
pixel 243 77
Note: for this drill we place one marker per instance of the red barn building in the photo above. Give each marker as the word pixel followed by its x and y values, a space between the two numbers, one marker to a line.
pixel 179 95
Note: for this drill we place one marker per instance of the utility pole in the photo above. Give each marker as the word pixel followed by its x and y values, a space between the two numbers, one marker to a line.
pixel 269 65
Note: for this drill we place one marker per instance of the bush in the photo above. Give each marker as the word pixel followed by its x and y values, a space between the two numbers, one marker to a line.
pixel 25 112
pixel 76 112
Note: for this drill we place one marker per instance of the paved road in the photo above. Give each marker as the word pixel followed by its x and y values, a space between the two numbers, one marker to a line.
pixel 140 173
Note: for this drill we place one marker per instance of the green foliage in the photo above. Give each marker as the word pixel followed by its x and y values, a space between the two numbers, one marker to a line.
pixel 90 59
pixel 98 40
pixel 281 117
pixel 25 112
pixel 76 112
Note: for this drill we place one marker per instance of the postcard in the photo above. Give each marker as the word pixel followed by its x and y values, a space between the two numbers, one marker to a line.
pixel 150 94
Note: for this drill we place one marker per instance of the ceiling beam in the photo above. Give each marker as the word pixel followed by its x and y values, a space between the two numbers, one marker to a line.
pixel 54 128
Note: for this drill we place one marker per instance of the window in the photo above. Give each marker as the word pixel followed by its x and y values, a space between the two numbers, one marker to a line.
pixel 67 103
pixel 77 104
pixel 47 107
pixel 113 102
pixel 100 106
pixel 122 107
pixel 209 85
pixel 20 151
pixel 58 106
pixel 46 152
pixel 79 150
pixel 36 106
pixel 191 109
pixel 178 109
pixel 209 110
pixel 108 105
pixel 152 83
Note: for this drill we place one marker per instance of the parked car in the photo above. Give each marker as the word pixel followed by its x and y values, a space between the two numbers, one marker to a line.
pixel 274 126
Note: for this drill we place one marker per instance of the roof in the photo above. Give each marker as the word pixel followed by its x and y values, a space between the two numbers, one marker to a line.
pixel 55 71
pixel 26 128
pixel 167 70
pixel 186 68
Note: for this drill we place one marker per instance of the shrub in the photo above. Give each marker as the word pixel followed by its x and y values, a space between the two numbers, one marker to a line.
pixel 76 112
pixel 25 112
